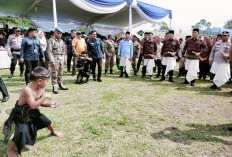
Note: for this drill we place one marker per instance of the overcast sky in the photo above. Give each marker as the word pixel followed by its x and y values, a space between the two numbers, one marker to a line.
pixel 188 12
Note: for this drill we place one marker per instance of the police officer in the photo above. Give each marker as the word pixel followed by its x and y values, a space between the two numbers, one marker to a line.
pixel 30 51
pixel 14 46
pixel 56 56
pixel 109 51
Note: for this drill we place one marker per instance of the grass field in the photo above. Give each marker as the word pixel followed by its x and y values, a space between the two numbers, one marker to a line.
pixel 132 117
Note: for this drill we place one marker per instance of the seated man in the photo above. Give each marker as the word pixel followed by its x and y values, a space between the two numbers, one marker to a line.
pixel 83 66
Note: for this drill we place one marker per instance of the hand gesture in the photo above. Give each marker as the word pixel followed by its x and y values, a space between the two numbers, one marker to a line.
pixel 54 104
pixel 21 60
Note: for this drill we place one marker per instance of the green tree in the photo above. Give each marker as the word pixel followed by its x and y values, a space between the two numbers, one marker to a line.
pixel 15 21
pixel 228 24
pixel 202 25
pixel 140 32
pixel 163 26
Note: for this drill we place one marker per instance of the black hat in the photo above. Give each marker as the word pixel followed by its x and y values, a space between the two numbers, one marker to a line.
pixel 225 33
pixel 79 32
pixel 187 37
pixel 128 32
pixel 32 29
pixel 196 30
pixel 171 31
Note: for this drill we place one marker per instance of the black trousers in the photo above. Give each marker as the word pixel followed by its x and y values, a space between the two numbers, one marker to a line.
pixel 139 61
pixel 44 64
pixel 99 67
pixel 159 66
pixel 204 70
pixel 81 75
pixel 14 63
pixel 69 59
pixel 30 65
pixel 170 73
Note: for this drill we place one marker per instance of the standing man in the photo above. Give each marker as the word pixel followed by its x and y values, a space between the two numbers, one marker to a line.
pixel 192 50
pixel 95 49
pixel 219 58
pixel 125 52
pixel 14 47
pixel 169 53
pixel 56 57
pixel 69 52
pixel 181 64
pixel 136 52
pixel 158 64
pixel 149 51
pixel 78 46
pixel 30 51
pixel 109 51
pixel 141 55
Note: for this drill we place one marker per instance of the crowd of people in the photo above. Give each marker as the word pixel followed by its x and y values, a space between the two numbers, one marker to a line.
pixel 198 58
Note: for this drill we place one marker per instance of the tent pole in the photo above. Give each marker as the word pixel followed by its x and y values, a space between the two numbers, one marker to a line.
pixel 54 13
pixel 130 19
pixel 170 23
pixel 22 23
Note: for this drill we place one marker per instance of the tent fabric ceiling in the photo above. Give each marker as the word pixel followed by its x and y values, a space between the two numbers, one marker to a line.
pixel 70 16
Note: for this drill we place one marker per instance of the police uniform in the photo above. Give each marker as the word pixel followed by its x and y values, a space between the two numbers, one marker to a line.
pixel 136 53
pixel 220 65
pixel 109 51
pixel 14 46
pixel 56 55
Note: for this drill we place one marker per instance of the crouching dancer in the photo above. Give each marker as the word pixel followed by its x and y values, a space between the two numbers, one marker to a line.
pixel 26 116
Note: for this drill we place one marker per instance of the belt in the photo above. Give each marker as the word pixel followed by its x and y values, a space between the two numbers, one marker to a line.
pixel 16 50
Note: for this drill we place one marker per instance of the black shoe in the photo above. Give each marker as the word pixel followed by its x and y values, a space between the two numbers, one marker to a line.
pixel 185 83
pixel 213 86
pixel 105 72
pixel 11 75
pixel 94 79
pixel 111 72
pixel 54 89
pixel 142 76
pixel 171 80
pixel 126 75
pixel 99 80
pixel 192 83
pixel 230 129
pixel 162 79
pixel 219 88
pixel 5 98
pixel 21 74
pixel 4 91
pixel 62 87
pixel 157 76
pixel 135 73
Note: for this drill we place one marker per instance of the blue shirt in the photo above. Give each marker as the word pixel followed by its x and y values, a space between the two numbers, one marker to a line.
pixel 95 48
pixel 125 48
pixel 68 42
pixel 31 49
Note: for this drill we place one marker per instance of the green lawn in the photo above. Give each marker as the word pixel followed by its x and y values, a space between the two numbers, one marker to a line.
pixel 131 117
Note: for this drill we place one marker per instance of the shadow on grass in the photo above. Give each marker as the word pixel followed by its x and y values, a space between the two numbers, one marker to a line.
pixel 199 132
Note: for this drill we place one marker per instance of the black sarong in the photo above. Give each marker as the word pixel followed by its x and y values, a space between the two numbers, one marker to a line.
pixel 27 121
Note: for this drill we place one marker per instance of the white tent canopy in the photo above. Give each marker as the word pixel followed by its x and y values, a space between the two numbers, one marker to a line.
pixel 104 15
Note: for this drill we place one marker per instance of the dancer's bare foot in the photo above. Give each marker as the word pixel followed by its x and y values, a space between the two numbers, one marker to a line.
pixel 11 153
pixel 57 134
